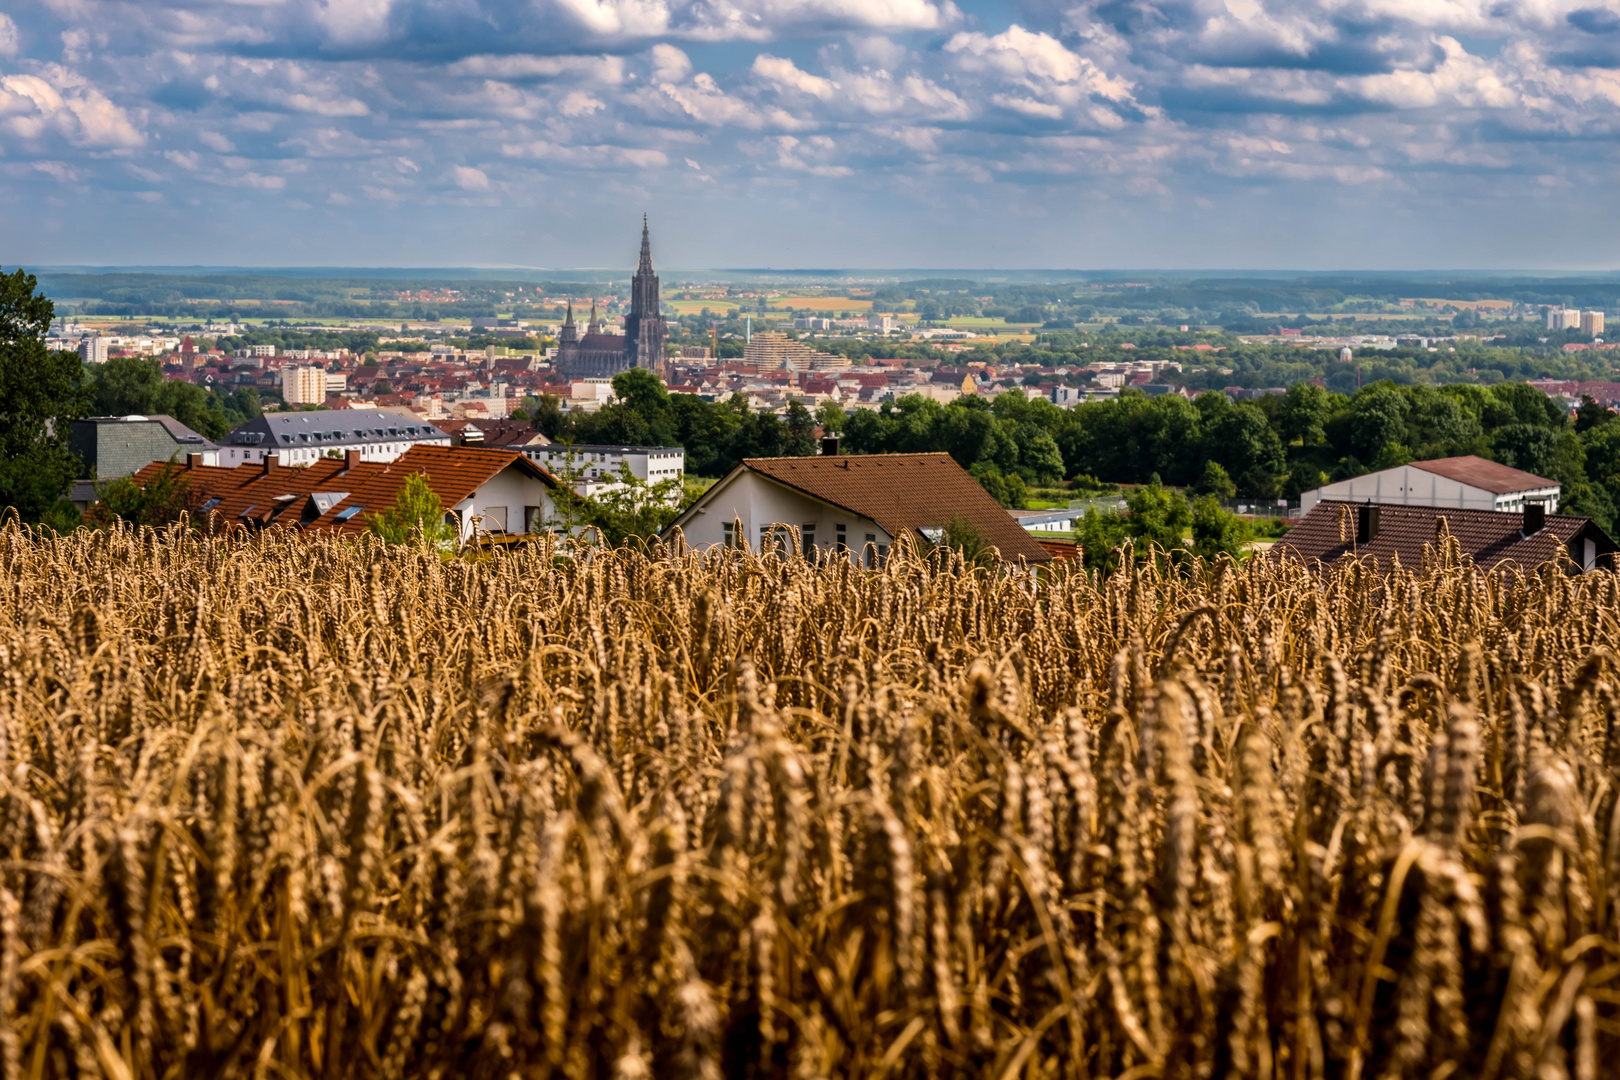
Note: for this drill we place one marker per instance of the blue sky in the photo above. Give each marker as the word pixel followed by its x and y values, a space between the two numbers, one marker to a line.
pixel 826 133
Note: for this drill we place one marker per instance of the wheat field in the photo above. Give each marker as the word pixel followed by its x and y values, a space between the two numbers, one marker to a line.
pixel 277 807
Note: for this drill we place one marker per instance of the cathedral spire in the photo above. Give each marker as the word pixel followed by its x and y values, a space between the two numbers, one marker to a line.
pixel 569 321
pixel 645 266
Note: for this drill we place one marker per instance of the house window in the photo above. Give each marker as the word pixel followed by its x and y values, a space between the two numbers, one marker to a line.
pixel 494 519
pixel 841 539
pixel 533 519
pixel 730 531
pixel 807 539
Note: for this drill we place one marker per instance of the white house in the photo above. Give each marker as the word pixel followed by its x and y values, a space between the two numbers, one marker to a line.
pixel 493 493
pixel 303 438
pixel 1463 483
pixel 849 505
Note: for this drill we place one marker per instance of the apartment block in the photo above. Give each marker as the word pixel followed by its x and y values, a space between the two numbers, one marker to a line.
pixel 1592 322
pixel 303 385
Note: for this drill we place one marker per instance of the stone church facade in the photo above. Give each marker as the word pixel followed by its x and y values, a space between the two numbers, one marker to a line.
pixel 597 354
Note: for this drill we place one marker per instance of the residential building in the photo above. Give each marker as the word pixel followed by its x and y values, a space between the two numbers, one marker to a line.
pixel 111 447
pixel 595 469
pixel 1047 520
pixel 1335 530
pixel 811 323
pixel 1464 483
pixel 336 382
pixel 1563 319
pixel 772 350
pixel 303 385
pixel 306 437
pixel 884 323
pixel 497 493
pixel 849 506
pixel 1592 323
pixel 93 350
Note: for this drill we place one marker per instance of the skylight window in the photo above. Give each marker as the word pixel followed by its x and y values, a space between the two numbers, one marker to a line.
pixel 211 503
pixel 347 512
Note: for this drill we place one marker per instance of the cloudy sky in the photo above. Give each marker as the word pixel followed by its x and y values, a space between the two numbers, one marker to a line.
pixel 812 133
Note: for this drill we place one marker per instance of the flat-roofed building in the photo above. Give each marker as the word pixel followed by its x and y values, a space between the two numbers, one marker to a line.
pixel 1592 322
pixel 772 350
pixel 303 385
pixel 591 469
pixel 1463 483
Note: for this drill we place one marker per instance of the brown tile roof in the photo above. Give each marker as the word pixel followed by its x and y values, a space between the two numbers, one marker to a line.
pixel 1491 538
pixel 903 491
pixel 1489 475
pixel 255 496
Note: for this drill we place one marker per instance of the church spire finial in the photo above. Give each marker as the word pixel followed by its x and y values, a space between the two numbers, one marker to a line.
pixel 646 249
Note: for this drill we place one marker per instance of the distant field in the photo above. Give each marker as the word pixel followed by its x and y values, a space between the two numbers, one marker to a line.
pixel 695 307
pixel 822 303
pixel 1488 305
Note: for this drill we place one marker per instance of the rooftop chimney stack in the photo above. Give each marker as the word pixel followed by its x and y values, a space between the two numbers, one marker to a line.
pixel 351 460
pixel 193 461
pixel 1366 523
pixel 1535 518
pixel 829 445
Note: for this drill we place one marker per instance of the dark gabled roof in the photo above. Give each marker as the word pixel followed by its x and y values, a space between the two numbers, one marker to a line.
pixel 1489 475
pixel 349 426
pixel 1491 538
pixel 901 492
pixel 188 439
pixel 303 497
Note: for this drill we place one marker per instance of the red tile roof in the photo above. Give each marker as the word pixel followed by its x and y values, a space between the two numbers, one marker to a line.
pixel 1491 538
pixel 1488 475
pixel 254 495
pixel 903 491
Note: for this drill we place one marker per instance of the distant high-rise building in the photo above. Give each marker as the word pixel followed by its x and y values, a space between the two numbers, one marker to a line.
pixel 1563 319
pixel 93 350
pixel 773 350
pixel 303 385
pixel 1592 322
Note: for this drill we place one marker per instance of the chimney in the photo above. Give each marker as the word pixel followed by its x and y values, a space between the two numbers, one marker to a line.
pixel 270 461
pixel 1535 518
pixel 351 460
pixel 193 461
pixel 829 445
pixel 1366 523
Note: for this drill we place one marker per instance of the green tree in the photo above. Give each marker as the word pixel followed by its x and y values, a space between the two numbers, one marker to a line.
pixel 1216 531
pixel 417 516
pixel 1215 482
pixel 831 416
pixel 1302 414
pixel 128 385
pixel 41 394
pixel 1591 414
pixel 160 501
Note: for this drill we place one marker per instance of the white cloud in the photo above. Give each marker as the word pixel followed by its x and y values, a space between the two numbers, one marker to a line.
pixel 784 73
pixel 61 102
pixel 10 39
pixel 670 65
pixel 468 178
pixel 579 103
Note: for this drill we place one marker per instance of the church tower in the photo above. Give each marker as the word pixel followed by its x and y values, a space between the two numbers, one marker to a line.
pixel 570 333
pixel 644 327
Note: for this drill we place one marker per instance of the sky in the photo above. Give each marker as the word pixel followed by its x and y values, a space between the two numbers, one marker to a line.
pixel 1177 134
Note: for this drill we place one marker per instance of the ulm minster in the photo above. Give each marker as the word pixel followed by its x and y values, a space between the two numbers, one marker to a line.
pixel 600 354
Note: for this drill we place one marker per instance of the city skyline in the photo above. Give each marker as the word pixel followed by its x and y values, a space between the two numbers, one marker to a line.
pixel 811 133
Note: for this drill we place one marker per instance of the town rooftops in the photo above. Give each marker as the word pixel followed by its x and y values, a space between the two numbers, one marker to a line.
pixel 1489 476
pixel 340 493
pixel 901 492
pixel 1491 538
pixel 351 427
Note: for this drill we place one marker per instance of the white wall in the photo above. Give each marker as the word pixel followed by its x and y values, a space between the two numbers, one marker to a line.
pixel 757 501
pixel 232 456
pixel 510 490
pixel 1408 486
